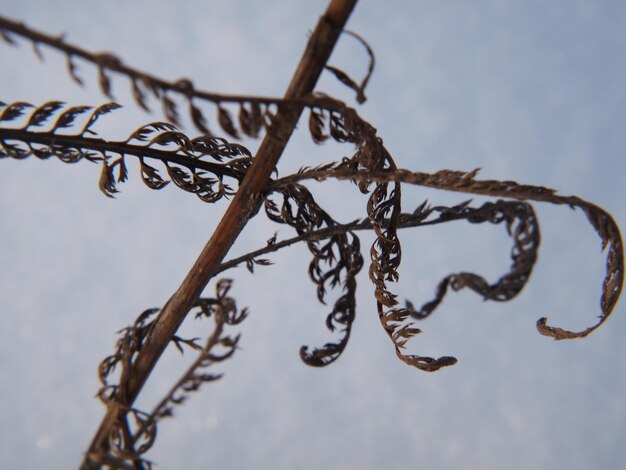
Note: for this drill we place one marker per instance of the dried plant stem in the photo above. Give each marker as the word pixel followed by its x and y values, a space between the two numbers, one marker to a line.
pixel 244 206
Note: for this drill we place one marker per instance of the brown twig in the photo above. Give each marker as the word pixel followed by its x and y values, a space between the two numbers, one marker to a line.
pixel 244 206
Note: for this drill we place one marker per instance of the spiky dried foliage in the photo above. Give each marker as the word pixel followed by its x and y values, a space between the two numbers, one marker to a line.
pixel 521 226
pixel 253 113
pixel 135 436
pixel 334 246
pixel 466 182
pixel 336 261
pixel 197 165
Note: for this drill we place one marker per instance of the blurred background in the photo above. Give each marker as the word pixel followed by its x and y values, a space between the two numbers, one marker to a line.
pixel 528 91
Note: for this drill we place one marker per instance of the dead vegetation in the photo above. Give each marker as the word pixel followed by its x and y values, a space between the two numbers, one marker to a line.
pixel 216 168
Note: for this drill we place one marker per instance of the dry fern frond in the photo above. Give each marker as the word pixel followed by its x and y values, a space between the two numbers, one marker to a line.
pixel 336 262
pixel 198 165
pixel 522 227
pixel 254 112
pixel 133 437
pixel 466 182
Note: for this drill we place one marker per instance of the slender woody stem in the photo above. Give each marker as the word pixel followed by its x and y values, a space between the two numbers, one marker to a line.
pixel 244 206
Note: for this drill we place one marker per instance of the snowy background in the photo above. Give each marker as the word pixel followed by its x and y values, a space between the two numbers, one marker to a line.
pixel 530 91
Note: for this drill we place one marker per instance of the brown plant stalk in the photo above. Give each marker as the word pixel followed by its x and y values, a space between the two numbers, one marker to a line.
pixel 245 204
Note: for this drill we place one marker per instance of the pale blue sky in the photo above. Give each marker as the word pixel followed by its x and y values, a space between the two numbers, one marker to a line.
pixel 527 90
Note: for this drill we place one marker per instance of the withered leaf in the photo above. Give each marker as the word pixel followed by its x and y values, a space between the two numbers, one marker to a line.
pixel 13 150
pixel 343 77
pixel 71 68
pixel 67 118
pixel 7 37
pixel 256 119
pixel 181 178
pixel 316 127
pixel 123 171
pixel 107 181
pixel 198 119
pixel 104 81
pixel 14 110
pixel 42 153
pixel 209 377
pixel 269 116
pixel 144 132
pixel 222 288
pixel 151 176
pixel 272 240
pixel 99 111
pixel 263 261
pixel 250 121
pixel 168 137
pixel 244 119
pixel 179 342
pixel 337 129
pixel 139 95
pixel 153 86
pixel 43 112
pixel 169 109
pixel 37 51
pixel 226 122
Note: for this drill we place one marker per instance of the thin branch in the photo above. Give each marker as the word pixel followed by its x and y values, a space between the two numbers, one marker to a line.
pixel 244 206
